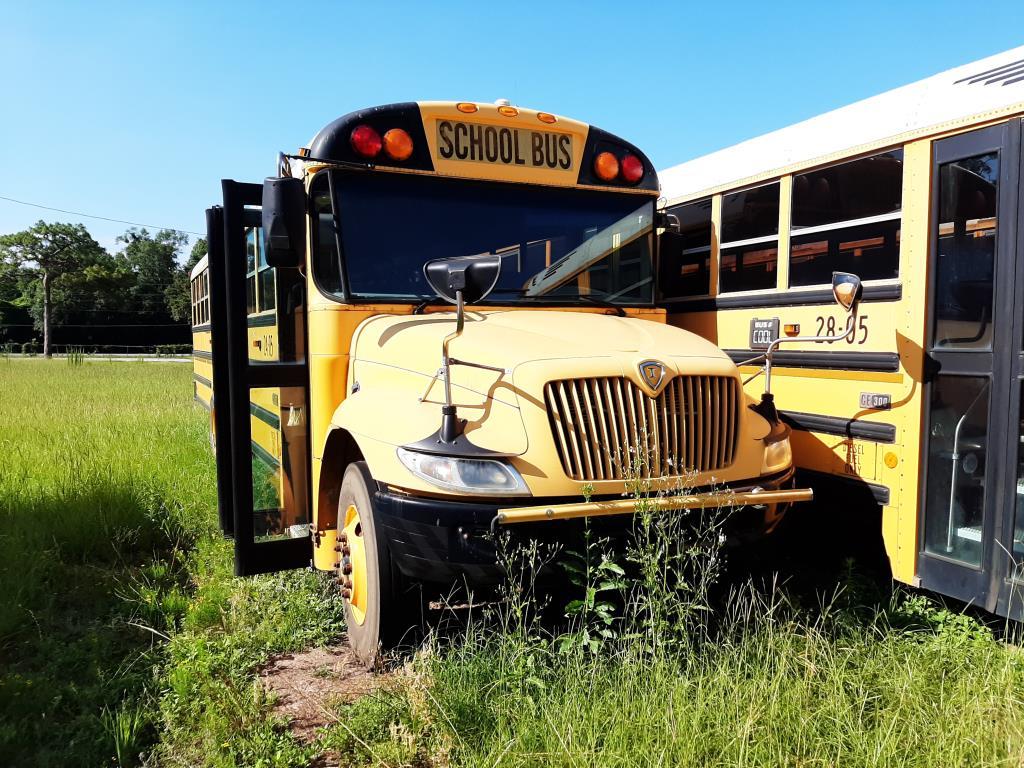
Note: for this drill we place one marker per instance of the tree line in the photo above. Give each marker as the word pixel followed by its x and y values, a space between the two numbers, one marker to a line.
pixel 56 276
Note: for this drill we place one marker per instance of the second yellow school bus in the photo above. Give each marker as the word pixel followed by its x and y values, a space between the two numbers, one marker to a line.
pixel 917 408
pixel 438 320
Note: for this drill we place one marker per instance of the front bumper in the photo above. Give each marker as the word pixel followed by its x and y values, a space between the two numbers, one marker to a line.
pixel 444 541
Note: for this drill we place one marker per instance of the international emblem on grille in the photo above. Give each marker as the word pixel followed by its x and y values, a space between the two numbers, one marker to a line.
pixel 653 374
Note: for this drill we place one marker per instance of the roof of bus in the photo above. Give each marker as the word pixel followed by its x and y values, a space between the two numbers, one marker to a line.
pixel 333 143
pixel 199 267
pixel 987 88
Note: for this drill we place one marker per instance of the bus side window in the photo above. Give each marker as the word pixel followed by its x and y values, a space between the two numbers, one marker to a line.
pixel 250 271
pixel 264 276
pixel 685 258
pixel 327 262
pixel 750 239
pixel 847 218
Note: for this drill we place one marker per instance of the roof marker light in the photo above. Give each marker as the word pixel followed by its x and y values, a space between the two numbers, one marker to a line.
pixel 546 117
pixel 365 141
pixel 606 166
pixel 507 111
pixel 465 106
pixel 398 144
pixel 632 168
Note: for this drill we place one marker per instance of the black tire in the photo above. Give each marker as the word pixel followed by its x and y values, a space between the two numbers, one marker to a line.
pixel 393 612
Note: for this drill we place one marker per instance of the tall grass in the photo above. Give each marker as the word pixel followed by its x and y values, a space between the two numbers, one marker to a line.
pixel 687 674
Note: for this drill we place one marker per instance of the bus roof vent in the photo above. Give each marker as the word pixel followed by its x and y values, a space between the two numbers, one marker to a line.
pixel 502 103
pixel 1004 75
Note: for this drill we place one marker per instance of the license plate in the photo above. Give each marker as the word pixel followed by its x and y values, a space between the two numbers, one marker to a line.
pixel 504 145
pixel 763 332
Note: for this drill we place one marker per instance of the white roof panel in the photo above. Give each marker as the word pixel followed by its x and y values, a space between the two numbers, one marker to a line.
pixel 989 85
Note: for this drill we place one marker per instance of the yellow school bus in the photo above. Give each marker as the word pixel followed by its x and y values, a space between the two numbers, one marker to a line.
pixel 437 322
pixel 914 404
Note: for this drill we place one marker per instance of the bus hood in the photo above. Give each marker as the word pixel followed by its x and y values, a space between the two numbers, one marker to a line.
pixel 506 340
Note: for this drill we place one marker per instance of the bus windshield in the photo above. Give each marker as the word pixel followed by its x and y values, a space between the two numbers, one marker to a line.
pixel 558 245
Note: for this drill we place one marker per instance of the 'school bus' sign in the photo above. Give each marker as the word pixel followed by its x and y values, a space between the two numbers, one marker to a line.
pixel 504 145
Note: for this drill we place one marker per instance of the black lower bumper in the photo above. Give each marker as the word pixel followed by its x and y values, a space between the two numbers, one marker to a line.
pixel 438 540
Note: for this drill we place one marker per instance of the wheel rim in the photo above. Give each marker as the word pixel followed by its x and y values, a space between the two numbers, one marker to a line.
pixel 355 560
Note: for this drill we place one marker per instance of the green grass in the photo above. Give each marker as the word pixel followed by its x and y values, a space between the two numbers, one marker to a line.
pixel 124 637
pixel 109 546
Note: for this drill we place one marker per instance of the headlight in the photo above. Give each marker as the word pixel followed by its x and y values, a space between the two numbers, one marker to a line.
pixel 488 476
pixel 777 455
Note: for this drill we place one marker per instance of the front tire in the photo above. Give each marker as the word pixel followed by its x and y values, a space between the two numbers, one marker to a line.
pixel 380 606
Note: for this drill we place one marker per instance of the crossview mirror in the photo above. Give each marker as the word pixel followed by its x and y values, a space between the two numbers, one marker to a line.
pixel 284 220
pixel 474 277
pixel 846 289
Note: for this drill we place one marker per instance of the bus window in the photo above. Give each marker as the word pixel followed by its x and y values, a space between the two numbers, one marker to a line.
pixel 250 272
pixel 264 277
pixel 326 262
pixel 847 218
pixel 955 501
pixel 685 259
pixel 750 233
pixel 965 252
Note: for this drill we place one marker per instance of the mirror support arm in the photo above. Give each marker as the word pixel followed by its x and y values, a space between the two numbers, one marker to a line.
pixel 450 428
pixel 773 347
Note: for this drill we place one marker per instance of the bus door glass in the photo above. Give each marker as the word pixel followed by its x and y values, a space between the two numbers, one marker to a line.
pixel 969 383
pixel 264 359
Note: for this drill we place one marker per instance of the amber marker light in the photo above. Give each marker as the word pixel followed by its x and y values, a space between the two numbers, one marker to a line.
pixel 365 141
pixel 792 329
pixel 546 117
pixel 508 111
pixel 465 106
pixel 891 460
pixel 606 166
pixel 398 144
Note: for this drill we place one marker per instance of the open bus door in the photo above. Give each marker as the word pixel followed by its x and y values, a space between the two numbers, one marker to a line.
pixel 260 390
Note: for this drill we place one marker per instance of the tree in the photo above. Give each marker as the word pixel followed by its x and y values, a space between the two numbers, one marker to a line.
pixel 41 255
pixel 153 261
pixel 178 294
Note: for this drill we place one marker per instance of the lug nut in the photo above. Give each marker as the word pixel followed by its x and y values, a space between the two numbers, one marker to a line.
pixel 346 568
pixel 337 547
pixel 347 594
pixel 348 583
pixel 346 550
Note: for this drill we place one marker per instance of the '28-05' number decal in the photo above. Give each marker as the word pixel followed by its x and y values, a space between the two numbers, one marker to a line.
pixel 827 327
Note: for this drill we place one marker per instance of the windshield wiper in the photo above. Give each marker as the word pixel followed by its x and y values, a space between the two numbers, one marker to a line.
pixel 602 303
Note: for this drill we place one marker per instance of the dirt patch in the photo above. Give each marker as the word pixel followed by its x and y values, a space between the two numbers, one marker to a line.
pixel 307 683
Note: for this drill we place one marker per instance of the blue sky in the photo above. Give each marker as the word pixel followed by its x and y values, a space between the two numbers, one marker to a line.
pixel 137 110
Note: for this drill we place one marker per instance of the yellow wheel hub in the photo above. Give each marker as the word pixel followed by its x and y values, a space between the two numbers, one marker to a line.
pixel 353 563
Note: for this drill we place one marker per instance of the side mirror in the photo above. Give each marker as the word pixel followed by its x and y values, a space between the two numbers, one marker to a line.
pixel 284 222
pixel 667 221
pixel 846 289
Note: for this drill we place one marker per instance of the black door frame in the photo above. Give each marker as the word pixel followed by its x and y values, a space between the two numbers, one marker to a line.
pixel 234 375
pixel 1007 584
pixel 979 585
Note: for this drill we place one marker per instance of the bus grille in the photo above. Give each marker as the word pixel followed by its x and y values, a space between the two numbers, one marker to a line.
pixel 610 429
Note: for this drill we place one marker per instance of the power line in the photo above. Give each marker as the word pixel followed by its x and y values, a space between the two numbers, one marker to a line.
pixel 101 218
